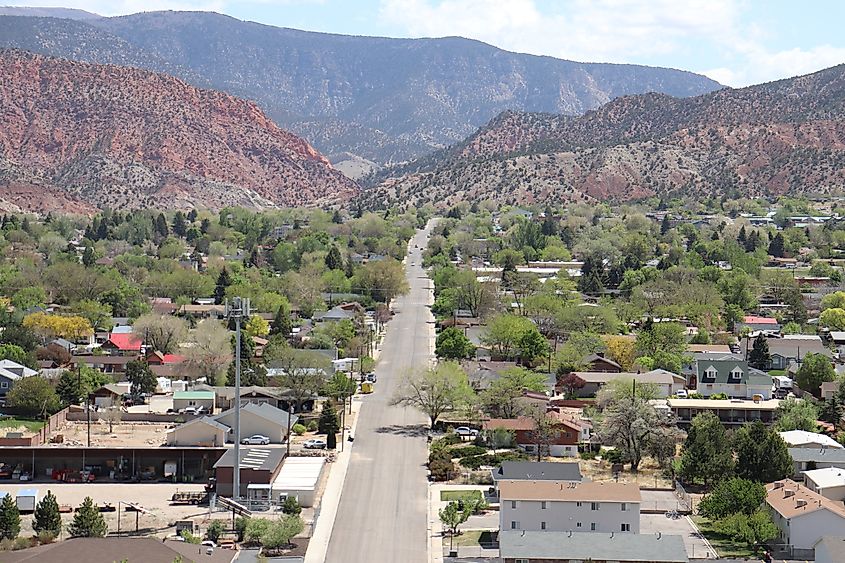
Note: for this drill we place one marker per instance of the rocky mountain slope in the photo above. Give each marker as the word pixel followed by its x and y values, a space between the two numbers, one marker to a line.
pixel 783 137
pixel 365 98
pixel 82 135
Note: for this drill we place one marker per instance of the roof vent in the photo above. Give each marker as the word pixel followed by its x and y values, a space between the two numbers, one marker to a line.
pixel 778 485
pixel 788 493
pixel 800 503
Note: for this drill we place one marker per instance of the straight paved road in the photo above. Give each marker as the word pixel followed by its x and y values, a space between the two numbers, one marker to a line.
pixel 382 511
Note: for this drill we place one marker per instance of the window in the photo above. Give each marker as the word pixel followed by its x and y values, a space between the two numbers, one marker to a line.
pixel 736 374
pixel 543 505
pixel 542 525
pixel 626 527
pixel 4 384
pixel 514 525
pixel 578 525
pixel 578 504
pixel 594 506
pixel 513 504
pixel 592 526
pixel 624 507
pixel 521 561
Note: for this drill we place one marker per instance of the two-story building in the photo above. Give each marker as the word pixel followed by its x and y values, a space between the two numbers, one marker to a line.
pixel 731 412
pixel 10 373
pixel 789 349
pixel 733 378
pixel 560 506
pixel 803 516
pixel 563 444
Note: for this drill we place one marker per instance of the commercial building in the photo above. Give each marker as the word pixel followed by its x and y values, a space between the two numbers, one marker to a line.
pixel 731 412
pixel 569 506
pixel 259 466
pixel 299 478
pixel 576 547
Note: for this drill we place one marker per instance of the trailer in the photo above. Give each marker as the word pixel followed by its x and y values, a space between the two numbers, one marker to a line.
pixel 27 499
pixel 189 497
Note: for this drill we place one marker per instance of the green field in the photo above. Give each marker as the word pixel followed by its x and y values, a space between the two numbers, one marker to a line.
pixel 458 495
pixel 724 546
pixel 12 423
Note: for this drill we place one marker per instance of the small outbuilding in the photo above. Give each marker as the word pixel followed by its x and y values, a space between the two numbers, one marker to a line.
pixel 185 399
pixel 300 478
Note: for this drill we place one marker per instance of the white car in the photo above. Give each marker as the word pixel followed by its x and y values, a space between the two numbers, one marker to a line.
pixel 682 394
pixel 466 431
pixel 314 444
pixel 256 440
pixel 189 410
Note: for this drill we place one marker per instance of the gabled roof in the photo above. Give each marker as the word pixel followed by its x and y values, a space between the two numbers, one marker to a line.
pixel 265 411
pixel 595 357
pixel 207 420
pixel 819 455
pixel 725 367
pixel 656 376
pixel 117 549
pixel 125 342
pixel 754 320
pixel 589 491
pixel 802 438
pixel 17 369
pixel 791 500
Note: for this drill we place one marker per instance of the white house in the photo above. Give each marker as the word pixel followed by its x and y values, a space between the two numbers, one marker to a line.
pixel 828 482
pixel 564 506
pixel 10 372
pixel 803 516
pixel 804 439
pixel 830 549
pixel 262 419
pixel 203 431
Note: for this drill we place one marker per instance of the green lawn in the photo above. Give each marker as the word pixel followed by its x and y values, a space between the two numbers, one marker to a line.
pixel 30 424
pixel 472 538
pixel 725 546
pixel 447 496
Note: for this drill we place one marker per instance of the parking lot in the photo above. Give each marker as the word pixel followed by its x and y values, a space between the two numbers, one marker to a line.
pixel 697 547
pixel 662 501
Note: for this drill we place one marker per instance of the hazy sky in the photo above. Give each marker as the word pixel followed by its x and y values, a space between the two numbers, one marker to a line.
pixel 736 42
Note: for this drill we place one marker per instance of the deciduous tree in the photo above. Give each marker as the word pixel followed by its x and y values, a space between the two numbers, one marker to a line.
pixel 451 344
pixel 731 496
pixel 163 333
pixel 435 391
pixel 34 396
pixel 210 352
pixel 814 370
pixel 501 398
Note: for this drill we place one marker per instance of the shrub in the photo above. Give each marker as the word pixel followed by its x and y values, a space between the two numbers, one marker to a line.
pixel 240 527
pixel 588 455
pixel 214 531
pixel 299 429
pixel 475 462
pixel 291 506
pixel 718 396
pixel 441 470
pixel 312 426
pixel 612 456
pixel 189 537
pixel 466 451
pixel 448 440
pixel 45 537
pixel 23 543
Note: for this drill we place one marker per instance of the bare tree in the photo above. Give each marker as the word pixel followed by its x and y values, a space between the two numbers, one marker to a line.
pixel 112 415
pixel 435 391
pixel 161 332
pixel 209 353
pixel 545 429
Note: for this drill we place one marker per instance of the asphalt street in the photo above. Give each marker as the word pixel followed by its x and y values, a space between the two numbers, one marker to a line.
pixel 382 511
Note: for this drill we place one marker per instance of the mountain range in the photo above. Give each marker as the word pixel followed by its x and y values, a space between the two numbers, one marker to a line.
pixel 782 137
pixel 363 101
pixel 78 136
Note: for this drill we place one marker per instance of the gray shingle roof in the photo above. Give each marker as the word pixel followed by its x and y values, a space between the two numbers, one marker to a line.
pixel 828 455
pixel 538 470
pixel 592 546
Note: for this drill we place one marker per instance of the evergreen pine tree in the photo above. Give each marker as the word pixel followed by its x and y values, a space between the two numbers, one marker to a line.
pixel 328 423
pixel 47 517
pixel 87 521
pixel 25 226
pixel 88 257
pixel 255 257
pixel 776 247
pixel 103 230
pixel 281 322
pixel 334 261
pixel 10 518
pixel 192 215
pixel 350 267
pixel 742 236
pixel 180 228
pixel 758 356
pixel 336 217
pixel 665 225
pixel 161 227
pixel 223 281
pixel 205 224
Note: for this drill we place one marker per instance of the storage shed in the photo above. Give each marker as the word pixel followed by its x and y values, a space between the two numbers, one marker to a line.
pixel 300 478
pixel 27 499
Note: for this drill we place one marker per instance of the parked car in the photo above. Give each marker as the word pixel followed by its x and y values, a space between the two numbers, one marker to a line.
pixel 466 431
pixel 682 394
pixel 189 410
pixel 256 440
pixel 371 377
pixel 314 444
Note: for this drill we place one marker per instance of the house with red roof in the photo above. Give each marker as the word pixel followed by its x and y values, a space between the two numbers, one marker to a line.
pixel 563 444
pixel 122 344
pixel 755 323
pixel 156 358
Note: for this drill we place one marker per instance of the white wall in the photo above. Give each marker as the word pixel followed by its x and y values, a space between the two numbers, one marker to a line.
pixel 563 451
pixel 196 434
pixel 252 424
pixel 802 532
pixel 564 516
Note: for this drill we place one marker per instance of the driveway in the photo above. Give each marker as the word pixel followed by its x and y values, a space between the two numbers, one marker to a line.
pixel 662 501
pixel 697 547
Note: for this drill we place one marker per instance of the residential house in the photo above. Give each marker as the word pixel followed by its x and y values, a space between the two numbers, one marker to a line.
pixel 204 431
pixel 10 373
pixel 708 348
pixel 122 344
pixel 830 549
pixel 755 323
pixel 597 362
pixel 261 419
pixel 115 365
pixel 202 311
pixel 803 516
pixel 564 444
pixel 109 395
pixel 733 378
pixel 805 459
pixel 829 482
pixel 666 382
pixel 137 549
pixel 577 547
pixel 837 337
pixel 193 399
pixel 482 373
pixel 829 389
pixel 554 506
pixel 788 350
pixel 803 439
pixel 731 412
pixel 342 312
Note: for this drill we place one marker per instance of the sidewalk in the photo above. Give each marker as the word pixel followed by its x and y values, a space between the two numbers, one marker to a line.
pixel 319 543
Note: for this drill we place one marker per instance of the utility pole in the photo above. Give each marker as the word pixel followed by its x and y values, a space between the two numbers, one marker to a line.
pixel 238 309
